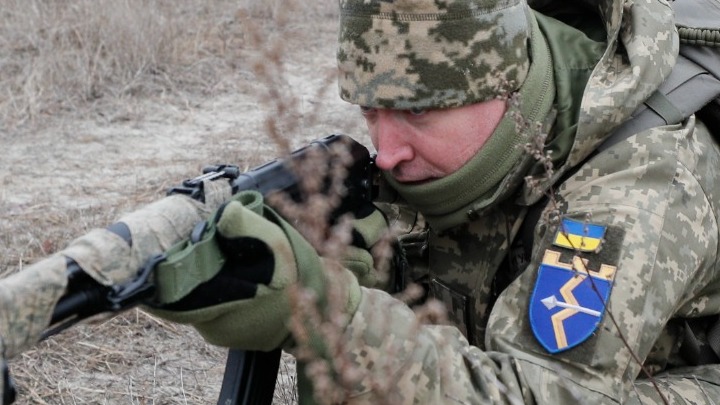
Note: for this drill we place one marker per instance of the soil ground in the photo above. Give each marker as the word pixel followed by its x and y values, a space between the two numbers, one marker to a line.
pixel 68 172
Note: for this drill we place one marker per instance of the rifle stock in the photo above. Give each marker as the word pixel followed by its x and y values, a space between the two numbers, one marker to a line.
pixel 249 376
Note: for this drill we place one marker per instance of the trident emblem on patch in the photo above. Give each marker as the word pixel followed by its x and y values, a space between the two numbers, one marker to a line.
pixel 568 301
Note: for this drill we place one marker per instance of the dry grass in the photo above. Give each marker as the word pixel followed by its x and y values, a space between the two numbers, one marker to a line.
pixel 103 105
pixel 68 56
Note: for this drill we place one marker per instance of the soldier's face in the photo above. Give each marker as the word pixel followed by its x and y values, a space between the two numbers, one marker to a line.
pixel 420 146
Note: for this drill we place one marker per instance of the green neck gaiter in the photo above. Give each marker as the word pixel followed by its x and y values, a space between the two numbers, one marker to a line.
pixel 495 169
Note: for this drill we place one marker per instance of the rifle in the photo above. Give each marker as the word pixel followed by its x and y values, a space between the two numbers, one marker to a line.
pixel 249 376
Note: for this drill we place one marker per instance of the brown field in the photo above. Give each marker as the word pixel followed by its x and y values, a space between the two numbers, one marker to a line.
pixel 103 106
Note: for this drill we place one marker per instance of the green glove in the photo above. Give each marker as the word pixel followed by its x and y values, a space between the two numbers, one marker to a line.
pixel 246 304
pixel 368 227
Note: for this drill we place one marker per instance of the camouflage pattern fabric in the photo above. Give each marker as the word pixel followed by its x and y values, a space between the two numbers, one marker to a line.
pixel 419 54
pixel 28 297
pixel 642 49
pixel 463 263
pixel 655 193
pixel 109 260
pixel 656 188
pixel 688 385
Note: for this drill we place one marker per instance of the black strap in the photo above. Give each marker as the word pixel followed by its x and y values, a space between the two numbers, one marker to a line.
pixel 710 116
pixel 663 107
pixel 701 341
pixel 713 337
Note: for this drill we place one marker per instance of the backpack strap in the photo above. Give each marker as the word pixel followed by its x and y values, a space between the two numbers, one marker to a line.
pixel 701 341
pixel 664 108
pixel 694 82
pixel 688 89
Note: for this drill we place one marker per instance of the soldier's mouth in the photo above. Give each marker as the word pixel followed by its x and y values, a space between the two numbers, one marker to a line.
pixel 406 175
pixel 414 182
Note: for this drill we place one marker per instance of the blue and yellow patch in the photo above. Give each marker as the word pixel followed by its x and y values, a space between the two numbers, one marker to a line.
pixel 569 299
pixel 579 236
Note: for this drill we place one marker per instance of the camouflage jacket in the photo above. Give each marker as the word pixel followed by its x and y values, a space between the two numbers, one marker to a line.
pixel 625 252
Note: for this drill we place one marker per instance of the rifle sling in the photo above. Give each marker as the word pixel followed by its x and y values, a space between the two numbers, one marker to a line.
pixel 188 265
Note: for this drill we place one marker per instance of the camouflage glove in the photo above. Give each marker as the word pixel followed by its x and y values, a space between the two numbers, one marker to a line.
pixel 246 305
pixel 368 227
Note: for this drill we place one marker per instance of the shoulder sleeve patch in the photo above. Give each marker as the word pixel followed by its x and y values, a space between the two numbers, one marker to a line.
pixel 573 284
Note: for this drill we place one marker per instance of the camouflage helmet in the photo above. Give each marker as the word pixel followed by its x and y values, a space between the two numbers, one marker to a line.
pixel 406 54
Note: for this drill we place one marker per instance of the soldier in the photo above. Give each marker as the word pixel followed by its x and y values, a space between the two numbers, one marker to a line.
pixel 431 92
pixel 590 294
pixel 575 249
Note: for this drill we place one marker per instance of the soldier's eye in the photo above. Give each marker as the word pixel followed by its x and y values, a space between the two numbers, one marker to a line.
pixel 364 110
pixel 417 111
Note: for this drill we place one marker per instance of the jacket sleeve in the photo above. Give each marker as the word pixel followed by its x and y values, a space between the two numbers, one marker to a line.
pixel 652 191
